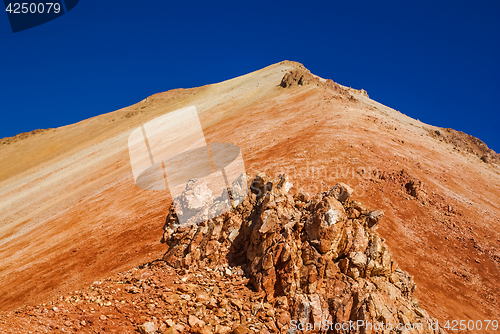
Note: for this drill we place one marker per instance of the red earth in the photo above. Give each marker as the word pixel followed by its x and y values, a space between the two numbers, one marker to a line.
pixel 71 213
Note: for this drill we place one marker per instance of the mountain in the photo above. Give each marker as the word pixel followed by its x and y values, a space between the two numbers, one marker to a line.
pixel 71 213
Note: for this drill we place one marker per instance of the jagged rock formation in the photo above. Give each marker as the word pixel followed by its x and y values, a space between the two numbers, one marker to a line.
pixel 298 78
pixel 318 259
pixel 302 77
pixel 466 143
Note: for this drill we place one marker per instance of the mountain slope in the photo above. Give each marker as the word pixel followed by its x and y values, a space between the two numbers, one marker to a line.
pixel 71 213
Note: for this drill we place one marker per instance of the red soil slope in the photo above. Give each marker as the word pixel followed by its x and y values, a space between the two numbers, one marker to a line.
pixel 71 213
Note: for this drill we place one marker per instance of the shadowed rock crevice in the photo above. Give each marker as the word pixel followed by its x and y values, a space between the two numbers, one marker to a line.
pixel 317 259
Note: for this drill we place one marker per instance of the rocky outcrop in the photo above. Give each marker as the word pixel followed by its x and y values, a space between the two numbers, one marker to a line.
pixel 318 260
pixel 22 136
pixel 299 77
pixel 463 142
pixel 302 77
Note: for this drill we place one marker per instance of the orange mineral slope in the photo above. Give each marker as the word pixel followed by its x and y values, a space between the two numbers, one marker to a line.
pixel 71 213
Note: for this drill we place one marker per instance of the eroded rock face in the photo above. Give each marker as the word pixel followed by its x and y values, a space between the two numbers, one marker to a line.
pixel 299 77
pixel 316 260
pixel 302 77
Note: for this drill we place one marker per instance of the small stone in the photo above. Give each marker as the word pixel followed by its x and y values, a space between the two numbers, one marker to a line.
pixel 374 217
pixel 202 296
pixel 179 328
pixel 170 330
pixel 186 297
pixel 237 303
pixel 147 328
pixel 267 261
pixel 269 221
pixel 284 319
pixel 359 260
pixel 241 329
pixel 359 207
pixel 342 191
pixel 194 321
pixel 219 329
pixel 353 214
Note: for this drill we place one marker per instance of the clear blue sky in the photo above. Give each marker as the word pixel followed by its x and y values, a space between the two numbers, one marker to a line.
pixel 437 61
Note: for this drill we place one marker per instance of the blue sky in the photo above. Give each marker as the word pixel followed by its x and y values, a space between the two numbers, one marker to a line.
pixel 437 61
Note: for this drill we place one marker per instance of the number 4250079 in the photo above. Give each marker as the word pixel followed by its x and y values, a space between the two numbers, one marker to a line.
pixel 33 8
